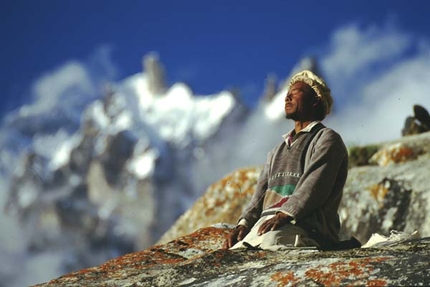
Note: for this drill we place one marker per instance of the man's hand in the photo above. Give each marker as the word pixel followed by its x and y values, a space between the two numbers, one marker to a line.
pixel 274 223
pixel 236 235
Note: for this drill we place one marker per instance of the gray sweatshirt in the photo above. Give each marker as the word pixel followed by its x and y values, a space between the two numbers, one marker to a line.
pixel 304 180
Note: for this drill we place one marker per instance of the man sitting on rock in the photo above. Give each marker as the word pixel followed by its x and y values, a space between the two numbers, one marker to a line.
pixel 300 187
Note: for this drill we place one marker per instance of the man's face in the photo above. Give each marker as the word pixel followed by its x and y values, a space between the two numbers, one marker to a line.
pixel 298 102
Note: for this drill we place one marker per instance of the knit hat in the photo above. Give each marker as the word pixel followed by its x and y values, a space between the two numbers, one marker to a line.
pixel 317 84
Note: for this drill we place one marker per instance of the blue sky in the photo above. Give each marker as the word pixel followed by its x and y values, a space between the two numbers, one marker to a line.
pixel 211 45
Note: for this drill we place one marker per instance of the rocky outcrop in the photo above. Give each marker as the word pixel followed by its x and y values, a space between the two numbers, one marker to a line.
pixel 196 260
pixel 224 201
pixel 418 123
pixel 393 193
pixel 155 73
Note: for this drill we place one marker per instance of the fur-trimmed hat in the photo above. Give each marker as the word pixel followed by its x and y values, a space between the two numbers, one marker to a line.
pixel 317 84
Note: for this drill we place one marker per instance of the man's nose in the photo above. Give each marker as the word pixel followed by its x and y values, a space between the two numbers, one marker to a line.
pixel 287 98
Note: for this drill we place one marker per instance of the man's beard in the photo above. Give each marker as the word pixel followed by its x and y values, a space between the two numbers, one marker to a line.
pixel 291 116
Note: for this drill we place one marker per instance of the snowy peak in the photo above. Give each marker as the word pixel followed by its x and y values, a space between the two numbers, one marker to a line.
pixel 177 114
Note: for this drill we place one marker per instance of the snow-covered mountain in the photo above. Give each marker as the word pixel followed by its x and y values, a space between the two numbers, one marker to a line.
pixel 99 175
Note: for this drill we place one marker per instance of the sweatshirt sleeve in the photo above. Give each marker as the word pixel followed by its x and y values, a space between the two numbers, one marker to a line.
pixel 328 157
pixel 254 208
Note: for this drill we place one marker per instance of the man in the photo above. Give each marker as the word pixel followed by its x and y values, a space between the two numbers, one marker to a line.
pixel 300 187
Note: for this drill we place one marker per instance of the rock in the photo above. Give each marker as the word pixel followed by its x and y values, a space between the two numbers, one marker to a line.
pixel 402 150
pixel 224 201
pixel 393 154
pixel 196 260
pixel 422 115
pixel 155 73
pixel 118 149
pixel 417 124
pixel 391 195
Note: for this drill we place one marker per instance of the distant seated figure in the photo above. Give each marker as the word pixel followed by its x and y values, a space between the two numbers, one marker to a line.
pixel 300 187
pixel 417 124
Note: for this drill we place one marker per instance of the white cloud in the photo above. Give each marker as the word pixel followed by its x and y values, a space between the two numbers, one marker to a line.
pixel 49 88
pixel 377 74
pixel 353 49
pixel 73 83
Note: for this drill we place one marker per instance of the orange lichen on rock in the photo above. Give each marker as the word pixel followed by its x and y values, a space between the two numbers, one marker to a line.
pixel 334 274
pixel 378 192
pixel 203 240
pixel 114 268
pixel 285 278
pixel 393 154
pixel 377 282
